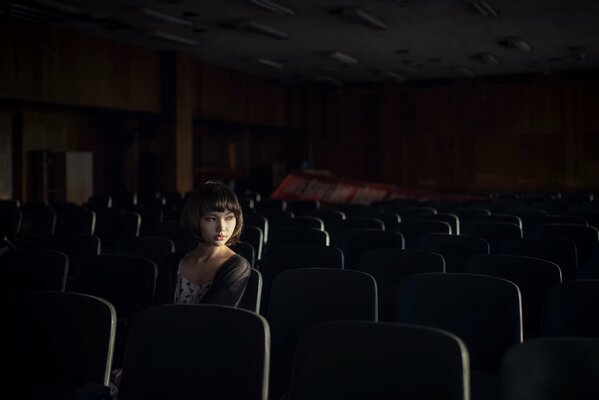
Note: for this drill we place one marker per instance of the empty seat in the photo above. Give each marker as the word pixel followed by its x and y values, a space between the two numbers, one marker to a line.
pixel 358 241
pixel 154 248
pixel 484 311
pixel 585 237
pixel 328 215
pixel 38 223
pixel 451 219
pixel 367 360
pixel 186 351
pixel 572 309
pixel 30 269
pixel 292 256
pixel 559 251
pixel 413 229
pixel 75 222
pixel 496 233
pixel 252 296
pixel 254 236
pixel 339 229
pixel 533 276
pixel 127 282
pixel 183 241
pixel 298 235
pixel 305 222
pixel 258 221
pixel 301 298
pixel 455 249
pixel 60 346
pixel 551 369
pixel 390 266
pixel 11 218
pixel 246 250
pixel 112 225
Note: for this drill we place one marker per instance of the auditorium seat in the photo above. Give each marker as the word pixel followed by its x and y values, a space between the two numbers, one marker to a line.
pixel 455 249
pixel 572 309
pixel 414 229
pixel 390 266
pixel 551 369
pixel 559 251
pixel 358 241
pixel 252 296
pixel 585 237
pixel 60 346
pixel 533 276
pixel 496 233
pixel 190 351
pixel 301 298
pixel 368 360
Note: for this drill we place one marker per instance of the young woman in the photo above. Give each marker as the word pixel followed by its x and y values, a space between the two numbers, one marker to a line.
pixel 212 273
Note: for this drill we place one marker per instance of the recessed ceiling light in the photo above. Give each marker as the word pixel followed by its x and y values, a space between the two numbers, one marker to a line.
pixel 173 38
pixel 361 16
pixel 514 42
pixel 273 7
pixel 464 71
pixel 396 76
pixel 342 57
pixel 160 16
pixel 256 27
pixel 483 8
pixel 487 58
pixel 269 63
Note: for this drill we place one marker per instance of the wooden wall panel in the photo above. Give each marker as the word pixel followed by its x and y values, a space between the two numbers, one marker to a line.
pixel 541 134
pixel 227 95
pixel 44 64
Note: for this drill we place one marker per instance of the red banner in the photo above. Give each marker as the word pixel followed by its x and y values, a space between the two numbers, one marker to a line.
pixel 330 190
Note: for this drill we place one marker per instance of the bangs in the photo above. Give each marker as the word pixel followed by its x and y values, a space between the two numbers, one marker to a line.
pixel 220 201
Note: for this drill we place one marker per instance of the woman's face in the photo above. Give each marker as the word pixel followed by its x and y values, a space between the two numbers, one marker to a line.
pixel 217 227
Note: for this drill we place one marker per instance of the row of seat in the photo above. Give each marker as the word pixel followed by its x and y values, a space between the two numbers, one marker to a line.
pixel 456 339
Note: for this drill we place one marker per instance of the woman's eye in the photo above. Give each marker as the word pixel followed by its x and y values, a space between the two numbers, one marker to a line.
pixel 230 217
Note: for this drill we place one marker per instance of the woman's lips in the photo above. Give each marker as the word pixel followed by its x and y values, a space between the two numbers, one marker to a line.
pixel 220 238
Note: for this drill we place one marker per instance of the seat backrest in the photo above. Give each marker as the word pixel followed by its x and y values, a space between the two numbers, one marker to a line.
pixel 252 296
pixel 37 223
pixel 292 256
pixel 455 249
pixel 413 229
pixel 59 338
pixel 484 311
pixel 183 241
pixel 368 360
pixel 556 250
pixel 358 241
pixel 572 309
pixel 339 229
pixel 155 248
pixel 533 276
pixel 451 219
pixel 185 351
pixel 585 237
pixel 31 269
pixel 298 235
pixel 493 232
pixel 303 297
pixel 75 222
pixel 258 221
pixel 254 236
pixel 551 369
pixel 11 218
pixel 328 215
pixel 305 222
pixel 246 250
pixel 390 266
pixel 128 282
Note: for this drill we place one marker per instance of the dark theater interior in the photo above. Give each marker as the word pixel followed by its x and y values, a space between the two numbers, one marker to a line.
pixel 299 200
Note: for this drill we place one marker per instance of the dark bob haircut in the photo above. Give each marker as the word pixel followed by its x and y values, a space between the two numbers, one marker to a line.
pixel 211 196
